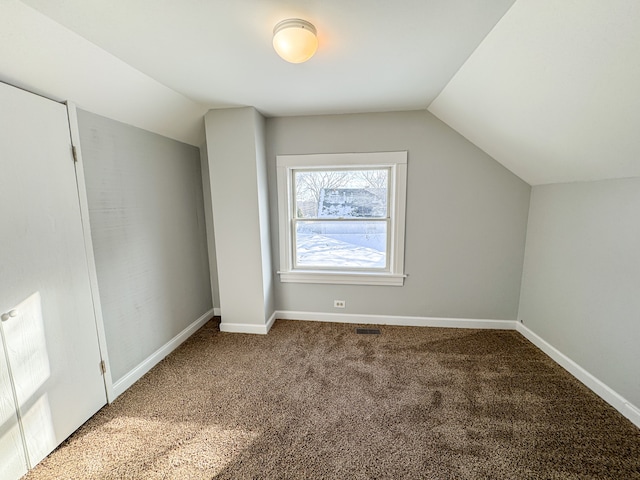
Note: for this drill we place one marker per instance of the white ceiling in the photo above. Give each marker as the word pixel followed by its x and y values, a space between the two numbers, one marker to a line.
pixel 552 92
pixel 374 55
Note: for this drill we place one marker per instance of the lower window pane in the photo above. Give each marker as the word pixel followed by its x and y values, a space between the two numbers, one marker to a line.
pixel 341 244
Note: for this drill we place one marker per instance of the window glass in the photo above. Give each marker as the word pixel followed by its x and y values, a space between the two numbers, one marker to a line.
pixel 341 193
pixel 344 205
pixel 346 244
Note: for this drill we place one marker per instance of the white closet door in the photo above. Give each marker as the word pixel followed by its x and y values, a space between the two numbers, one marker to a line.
pixel 52 343
pixel 13 463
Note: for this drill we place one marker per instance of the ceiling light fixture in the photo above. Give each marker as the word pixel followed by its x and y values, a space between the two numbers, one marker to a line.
pixel 295 40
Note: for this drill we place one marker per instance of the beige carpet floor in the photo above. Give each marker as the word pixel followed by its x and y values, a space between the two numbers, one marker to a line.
pixel 316 400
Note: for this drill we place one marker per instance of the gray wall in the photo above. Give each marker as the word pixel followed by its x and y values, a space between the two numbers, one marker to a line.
pixel 581 283
pixel 148 231
pixel 235 150
pixel 466 218
pixel 262 180
pixel 208 215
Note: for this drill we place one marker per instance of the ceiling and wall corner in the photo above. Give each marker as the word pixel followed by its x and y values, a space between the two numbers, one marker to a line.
pixel 40 55
pixel 373 56
pixel 553 92
pixel 549 89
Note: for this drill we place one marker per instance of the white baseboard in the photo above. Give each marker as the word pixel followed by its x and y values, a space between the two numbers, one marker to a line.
pixel 248 327
pixel 152 360
pixel 217 312
pixel 397 320
pixel 609 395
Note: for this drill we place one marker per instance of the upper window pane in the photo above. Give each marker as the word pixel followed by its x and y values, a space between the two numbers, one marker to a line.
pixel 331 194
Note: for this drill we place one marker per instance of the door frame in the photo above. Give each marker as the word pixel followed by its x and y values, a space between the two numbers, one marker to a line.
pixel 72 114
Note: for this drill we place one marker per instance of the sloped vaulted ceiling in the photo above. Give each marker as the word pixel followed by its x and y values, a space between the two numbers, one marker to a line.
pixel 550 89
pixel 40 55
pixel 374 55
pixel 553 92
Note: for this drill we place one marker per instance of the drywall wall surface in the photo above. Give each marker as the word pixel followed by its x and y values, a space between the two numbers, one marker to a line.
pixel 263 213
pixel 581 282
pixel 148 230
pixel 208 216
pixel 466 218
pixel 234 167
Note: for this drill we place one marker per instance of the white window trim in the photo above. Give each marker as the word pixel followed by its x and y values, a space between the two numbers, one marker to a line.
pixel 397 162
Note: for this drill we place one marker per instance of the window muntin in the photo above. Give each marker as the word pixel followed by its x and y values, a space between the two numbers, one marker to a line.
pixel 342 218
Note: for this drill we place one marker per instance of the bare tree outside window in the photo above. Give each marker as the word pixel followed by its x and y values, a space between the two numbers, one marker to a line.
pixel 374 178
pixel 310 184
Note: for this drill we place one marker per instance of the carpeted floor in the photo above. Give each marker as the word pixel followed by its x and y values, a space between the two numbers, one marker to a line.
pixel 316 400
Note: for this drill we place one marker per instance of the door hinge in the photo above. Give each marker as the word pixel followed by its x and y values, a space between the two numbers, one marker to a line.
pixel 74 152
pixel 103 367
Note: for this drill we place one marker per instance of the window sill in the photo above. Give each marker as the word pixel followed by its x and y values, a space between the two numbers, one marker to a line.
pixel 343 278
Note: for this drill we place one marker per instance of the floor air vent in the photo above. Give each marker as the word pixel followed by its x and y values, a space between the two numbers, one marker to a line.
pixel 368 331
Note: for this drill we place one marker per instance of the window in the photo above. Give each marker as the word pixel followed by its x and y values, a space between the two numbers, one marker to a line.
pixel 342 218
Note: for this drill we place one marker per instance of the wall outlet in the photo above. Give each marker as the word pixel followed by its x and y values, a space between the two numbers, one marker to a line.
pixel 339 304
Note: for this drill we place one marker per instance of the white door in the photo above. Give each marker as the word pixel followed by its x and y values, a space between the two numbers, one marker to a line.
pixel 51 343
pixel 13 463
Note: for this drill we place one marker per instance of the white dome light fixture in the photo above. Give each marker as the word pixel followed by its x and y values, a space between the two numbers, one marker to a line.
pixel 295 40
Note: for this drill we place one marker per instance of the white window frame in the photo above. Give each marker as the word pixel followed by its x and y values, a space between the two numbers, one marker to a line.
pixel 396 162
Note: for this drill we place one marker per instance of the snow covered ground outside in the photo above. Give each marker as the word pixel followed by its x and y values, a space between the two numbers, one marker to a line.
pixel 371 234
pixel 323 251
